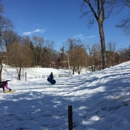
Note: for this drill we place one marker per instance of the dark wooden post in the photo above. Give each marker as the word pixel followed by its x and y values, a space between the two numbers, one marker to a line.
pixel 70 118
pixel 25 76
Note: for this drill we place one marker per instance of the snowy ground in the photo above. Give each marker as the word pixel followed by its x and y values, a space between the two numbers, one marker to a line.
pixel 100 101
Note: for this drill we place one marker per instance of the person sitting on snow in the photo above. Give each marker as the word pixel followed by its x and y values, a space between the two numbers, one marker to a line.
pixel 51 79
pixel 4 86
pixel 51 75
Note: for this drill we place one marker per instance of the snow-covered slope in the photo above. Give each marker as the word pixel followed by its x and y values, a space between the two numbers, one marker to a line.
pixel 100 101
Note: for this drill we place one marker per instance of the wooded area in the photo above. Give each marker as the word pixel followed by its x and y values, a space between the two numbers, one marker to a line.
pixel 22 52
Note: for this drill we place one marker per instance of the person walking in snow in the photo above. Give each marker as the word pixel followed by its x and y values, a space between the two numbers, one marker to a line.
pixel 4 86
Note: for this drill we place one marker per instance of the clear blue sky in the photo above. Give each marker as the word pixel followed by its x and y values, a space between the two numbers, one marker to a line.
pixel 58 20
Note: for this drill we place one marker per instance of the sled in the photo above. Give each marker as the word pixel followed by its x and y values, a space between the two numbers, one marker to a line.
pixel 7 91
pixel 52 81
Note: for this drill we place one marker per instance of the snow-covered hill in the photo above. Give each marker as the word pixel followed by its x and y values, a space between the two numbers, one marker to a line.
pixel 100 101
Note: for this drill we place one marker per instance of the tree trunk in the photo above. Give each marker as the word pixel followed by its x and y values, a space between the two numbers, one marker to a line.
pixel 73 70
pixel 1 71
pixel 103 48
pixel 19 74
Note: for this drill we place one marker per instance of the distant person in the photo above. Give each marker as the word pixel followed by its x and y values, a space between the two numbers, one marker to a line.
pixel 51 75
pixel 4 86
pixel 51 78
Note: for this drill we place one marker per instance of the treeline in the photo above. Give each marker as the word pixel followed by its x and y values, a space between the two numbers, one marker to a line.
pixel 35 51
pixel 22 52
pixel 38 52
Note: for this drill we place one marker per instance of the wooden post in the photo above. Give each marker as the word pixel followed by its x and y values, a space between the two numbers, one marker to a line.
pixel 70 119
pixel 25 76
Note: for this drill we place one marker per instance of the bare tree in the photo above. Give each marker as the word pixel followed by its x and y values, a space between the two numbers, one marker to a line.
pixel 90 50
pixel 48 54
pixel 72 44
pixel 125 24
pixel 124 54
pixel 38 43
pixel 111 47
pixel 77 54
pixel 99 11
pixel 9 36
pixel 78 59
pixel 5 24
pixel 125 21
pixel 94 56
pixel 20 56
pixel 97 57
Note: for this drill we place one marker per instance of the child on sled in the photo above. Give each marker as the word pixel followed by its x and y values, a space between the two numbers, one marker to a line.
pixel 4 86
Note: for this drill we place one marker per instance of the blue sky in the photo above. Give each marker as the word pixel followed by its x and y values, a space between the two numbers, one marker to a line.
pixel 58 20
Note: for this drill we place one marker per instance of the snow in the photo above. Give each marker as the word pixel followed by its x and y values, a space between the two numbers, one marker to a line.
pixel 100 101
